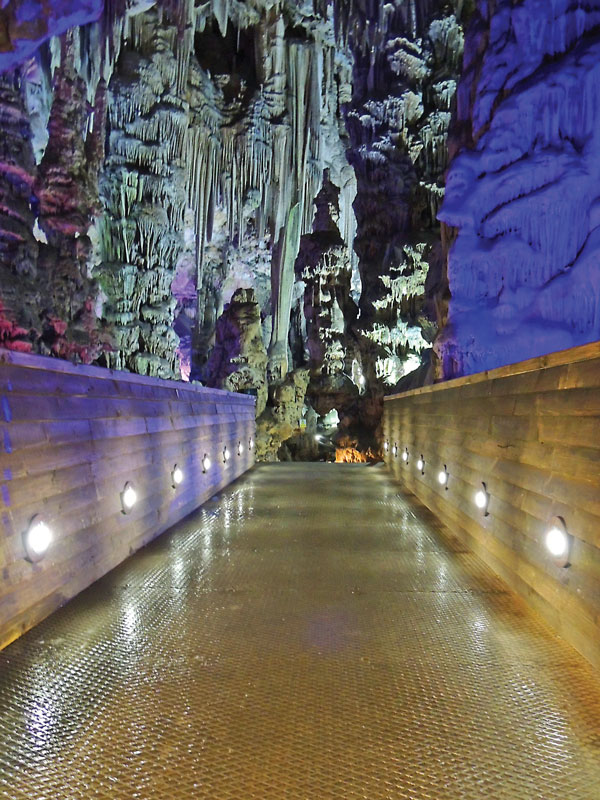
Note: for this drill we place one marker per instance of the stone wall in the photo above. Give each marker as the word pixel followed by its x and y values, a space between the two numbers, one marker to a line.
pixel 72 438
pixel 531 433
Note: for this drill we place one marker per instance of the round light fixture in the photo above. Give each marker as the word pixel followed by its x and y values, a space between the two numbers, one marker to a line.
pixel 405 454
pixel 176 476
pixel 128 498
pixel 443 477
pixel 226 455
pixel 205 463
pixel 37 539
pixel 395 450
pixel 558 542
pixel 421 465
pixel 240 449
pixel 482 499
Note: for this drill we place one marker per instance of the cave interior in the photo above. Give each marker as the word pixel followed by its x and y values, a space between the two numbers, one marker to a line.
pixel 315 202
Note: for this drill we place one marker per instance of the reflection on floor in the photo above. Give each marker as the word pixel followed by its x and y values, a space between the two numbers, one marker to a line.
pixel 305 636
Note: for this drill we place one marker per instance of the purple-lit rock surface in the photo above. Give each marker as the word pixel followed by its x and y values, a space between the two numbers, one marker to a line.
pixel 522 193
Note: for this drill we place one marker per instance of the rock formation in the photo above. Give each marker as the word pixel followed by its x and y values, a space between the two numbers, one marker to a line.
pixel 522 191
pixel 250 193
pixel 238 360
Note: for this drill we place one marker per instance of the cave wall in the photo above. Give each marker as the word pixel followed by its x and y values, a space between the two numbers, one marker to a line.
pixel 407 61
pixel 249 194
pixel 522 191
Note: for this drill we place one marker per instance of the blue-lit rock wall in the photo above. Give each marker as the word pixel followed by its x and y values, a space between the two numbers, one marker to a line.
pixel 523 193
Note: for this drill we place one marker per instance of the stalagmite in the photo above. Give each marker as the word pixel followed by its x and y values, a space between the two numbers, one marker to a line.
pixel 282 282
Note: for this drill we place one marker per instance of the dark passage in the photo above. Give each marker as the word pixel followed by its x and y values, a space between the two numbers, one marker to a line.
pixel 307 636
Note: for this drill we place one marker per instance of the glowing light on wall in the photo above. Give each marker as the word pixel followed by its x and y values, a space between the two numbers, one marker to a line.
pixel 405 455
pixel 386 445
pixel 226 454
pixel 206 463
pixel 443 477
pixel 482 499
pixel 128 498
pixel 37 539
pixel 251 444
pixel 395 450
pixel 176 476
pixel 558 542
pixel 240 448
pixel 421 465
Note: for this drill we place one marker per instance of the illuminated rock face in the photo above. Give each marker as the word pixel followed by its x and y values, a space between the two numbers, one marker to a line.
pixel 249 194
pixel 407 59
pixel 522 193
pixel 171 155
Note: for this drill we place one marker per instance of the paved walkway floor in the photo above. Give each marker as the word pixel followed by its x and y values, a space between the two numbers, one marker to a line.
pixel 306 636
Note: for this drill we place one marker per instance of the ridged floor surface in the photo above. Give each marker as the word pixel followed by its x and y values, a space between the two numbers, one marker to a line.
pixel 305 636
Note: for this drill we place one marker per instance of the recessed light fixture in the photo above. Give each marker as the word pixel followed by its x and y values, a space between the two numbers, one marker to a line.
pixel 405 454
pixel 226 454
pixel 482 499
pixel 37 539
pixel 395 450
pixel 128 498
pixel 421 465
pixel 176 476
pixel 205 463
pixel 443 477
pixel 558 542
pixel 240 449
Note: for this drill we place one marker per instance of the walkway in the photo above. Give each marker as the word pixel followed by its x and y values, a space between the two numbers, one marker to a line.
pixel 308 636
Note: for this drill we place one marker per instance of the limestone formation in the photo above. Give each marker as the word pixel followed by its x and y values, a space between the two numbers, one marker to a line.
pixel 283 416
pixel 249 194
pixel 238 361
pixel 522 190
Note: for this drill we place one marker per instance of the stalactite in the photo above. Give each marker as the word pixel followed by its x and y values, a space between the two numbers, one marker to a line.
pixel 21 284
pixel 143 189
pixel 407 60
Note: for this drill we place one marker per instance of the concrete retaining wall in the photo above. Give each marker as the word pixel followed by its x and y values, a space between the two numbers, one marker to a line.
pixel 531 433
pixel 71 438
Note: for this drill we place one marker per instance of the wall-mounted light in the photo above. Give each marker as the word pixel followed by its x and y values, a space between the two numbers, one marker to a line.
pixel 128 498
pixel 395 450
pixel 251 444
pixel 443 477
pixel 37 539
pixel 421 465
pixel 559 542
pixel 226 454
pixel 240 448
pixel 205 463
pixel 482 499
pixel 386 445
pixel 176 476
pixel 405 455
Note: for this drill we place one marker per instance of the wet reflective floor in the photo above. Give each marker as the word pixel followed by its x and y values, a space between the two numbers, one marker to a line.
pixel 306 636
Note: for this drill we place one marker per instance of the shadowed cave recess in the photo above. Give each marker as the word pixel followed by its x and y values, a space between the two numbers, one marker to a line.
pixel 318 203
